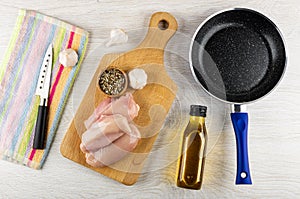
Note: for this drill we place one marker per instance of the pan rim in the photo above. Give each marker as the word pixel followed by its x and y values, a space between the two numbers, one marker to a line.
pixel 220 12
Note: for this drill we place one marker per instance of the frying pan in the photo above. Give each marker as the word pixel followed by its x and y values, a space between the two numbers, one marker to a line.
pixel 238 56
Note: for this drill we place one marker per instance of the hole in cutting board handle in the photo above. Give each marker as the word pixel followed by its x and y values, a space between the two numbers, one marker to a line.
pixel 163 24
pixel 162 27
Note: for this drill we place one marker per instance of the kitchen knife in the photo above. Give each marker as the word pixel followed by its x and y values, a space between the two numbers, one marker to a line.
pixel 42 90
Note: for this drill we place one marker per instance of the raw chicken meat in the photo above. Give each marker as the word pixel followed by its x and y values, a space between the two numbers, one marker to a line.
pixel 115 151
pixel 106 130
pixel 110 134
pixel 125 105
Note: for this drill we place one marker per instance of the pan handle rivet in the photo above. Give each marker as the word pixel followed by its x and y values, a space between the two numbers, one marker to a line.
pixel 243 174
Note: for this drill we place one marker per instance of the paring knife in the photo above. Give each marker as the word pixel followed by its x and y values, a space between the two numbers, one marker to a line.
pixel 42 90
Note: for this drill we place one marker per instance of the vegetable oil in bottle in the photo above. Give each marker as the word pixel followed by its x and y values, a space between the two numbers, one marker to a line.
pixel 192 160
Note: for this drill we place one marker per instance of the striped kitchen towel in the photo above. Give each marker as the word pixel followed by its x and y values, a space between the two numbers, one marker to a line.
pixel 19 73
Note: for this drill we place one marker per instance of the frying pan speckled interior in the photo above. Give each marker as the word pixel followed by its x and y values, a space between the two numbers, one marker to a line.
pixel 238 56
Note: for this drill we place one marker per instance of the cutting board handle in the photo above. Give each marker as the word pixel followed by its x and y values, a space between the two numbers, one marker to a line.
pixel 162 27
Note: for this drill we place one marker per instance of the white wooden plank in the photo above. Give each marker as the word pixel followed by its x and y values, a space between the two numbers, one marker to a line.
pixel 274 134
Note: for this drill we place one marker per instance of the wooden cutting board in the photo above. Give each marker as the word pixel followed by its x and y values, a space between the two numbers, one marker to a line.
pixel 155 100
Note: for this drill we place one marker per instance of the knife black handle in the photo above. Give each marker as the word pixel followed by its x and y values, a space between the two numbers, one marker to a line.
pixel 40 128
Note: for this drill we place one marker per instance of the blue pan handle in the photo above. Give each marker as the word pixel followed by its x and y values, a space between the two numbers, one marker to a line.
pixel 240 125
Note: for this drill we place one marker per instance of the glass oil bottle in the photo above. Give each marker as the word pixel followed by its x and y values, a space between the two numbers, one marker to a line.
pixel 192 160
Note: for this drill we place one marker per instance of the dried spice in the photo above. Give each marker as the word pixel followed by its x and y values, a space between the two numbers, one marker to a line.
pixel 112 81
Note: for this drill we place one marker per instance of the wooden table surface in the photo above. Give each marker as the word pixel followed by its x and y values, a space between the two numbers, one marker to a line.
pixel 274 135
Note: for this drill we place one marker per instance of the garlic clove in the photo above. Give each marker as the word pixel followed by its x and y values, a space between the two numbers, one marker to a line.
pixel 117 36
pixel 137 78
pixel 68 57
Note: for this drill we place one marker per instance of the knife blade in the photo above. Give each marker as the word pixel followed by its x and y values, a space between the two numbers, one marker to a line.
pixel 42 90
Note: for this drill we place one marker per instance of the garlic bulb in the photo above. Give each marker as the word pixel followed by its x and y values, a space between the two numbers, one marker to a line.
pixel 137 78
pixel 117 36
pixel 68 57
